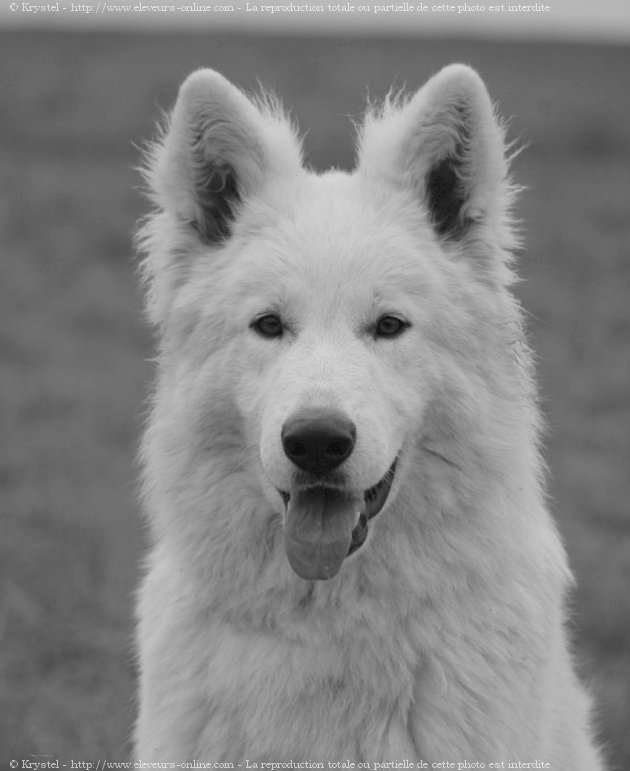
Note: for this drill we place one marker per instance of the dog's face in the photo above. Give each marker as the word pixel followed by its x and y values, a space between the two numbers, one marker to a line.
pixel 324 300
pixel 334 362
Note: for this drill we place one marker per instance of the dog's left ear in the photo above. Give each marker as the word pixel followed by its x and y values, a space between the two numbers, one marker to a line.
pixel 446 146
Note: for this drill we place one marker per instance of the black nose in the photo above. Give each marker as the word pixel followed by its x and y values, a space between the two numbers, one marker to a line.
pixel 318 440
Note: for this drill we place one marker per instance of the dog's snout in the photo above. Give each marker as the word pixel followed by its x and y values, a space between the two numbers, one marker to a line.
pixel 318 440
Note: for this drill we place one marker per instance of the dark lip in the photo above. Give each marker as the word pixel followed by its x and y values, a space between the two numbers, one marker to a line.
pixel 374 498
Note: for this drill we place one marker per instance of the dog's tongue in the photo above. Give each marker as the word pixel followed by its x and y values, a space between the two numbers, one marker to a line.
pixel 318 531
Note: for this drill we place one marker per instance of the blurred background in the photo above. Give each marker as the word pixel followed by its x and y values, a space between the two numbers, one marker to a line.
pixel 78 94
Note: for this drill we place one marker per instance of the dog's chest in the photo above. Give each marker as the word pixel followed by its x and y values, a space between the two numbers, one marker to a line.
pixel 309 699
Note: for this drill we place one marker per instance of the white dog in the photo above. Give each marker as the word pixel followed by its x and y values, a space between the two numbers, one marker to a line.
pixel 351 557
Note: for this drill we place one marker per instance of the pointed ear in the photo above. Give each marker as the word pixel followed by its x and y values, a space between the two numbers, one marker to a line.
pixel 446 146
pixel 218 149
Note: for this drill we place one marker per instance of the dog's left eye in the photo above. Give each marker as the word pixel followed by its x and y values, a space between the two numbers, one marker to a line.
pixel 390 326
pixel 268 325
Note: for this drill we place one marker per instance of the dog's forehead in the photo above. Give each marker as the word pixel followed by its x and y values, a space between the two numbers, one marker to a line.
pixel 332 244
pixel 340 224
pixel 341 202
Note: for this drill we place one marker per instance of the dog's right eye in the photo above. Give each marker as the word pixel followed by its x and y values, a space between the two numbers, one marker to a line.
pixel 268 325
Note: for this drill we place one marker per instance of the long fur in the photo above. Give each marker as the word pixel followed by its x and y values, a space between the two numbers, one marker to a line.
pixel 443 637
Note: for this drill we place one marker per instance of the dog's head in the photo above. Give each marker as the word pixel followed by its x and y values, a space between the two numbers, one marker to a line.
pixel 314 323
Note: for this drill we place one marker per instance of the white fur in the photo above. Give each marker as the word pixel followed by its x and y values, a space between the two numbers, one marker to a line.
pixel 443 637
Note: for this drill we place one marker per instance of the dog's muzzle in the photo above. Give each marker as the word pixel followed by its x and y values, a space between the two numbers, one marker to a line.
pixel 324 522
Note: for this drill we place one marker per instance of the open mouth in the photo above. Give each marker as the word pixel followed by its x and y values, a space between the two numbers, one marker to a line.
pixel 324 525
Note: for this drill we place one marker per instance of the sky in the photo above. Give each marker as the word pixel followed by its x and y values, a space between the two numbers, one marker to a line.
pixel 588 20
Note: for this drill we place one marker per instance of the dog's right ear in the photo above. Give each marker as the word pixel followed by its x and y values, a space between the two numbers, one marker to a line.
pixel 218 149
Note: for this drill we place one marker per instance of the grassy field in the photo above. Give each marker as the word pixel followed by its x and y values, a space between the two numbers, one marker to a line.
pixel 74 349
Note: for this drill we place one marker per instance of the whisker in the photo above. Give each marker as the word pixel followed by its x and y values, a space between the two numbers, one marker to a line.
pixel 439 455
